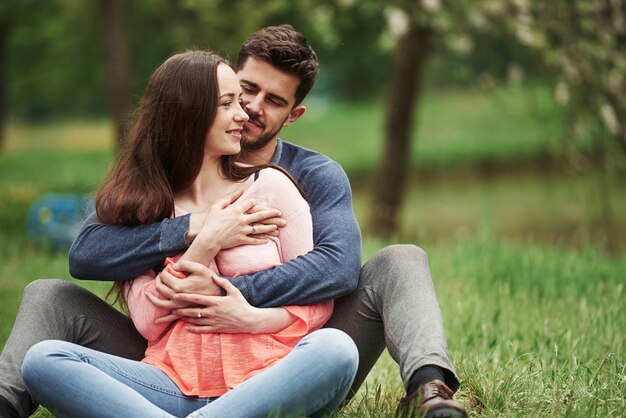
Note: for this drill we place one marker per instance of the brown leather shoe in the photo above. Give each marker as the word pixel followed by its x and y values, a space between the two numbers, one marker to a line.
pixel 431 400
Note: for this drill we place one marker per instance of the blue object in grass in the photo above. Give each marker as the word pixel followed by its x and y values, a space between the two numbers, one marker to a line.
pixel 55 218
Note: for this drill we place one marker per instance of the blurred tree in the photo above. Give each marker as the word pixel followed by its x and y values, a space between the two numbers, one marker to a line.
pixel 54 62
pixel 414 28
pixel 114 27
pixel 411 24
pixel 5 29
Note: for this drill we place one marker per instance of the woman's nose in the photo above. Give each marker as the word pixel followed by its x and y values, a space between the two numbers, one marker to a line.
pixel 241 114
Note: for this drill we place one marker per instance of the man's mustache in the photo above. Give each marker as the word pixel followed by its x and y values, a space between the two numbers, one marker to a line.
pixel 255 119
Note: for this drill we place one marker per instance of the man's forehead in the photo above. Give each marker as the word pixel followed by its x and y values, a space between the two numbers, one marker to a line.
pixel 268 78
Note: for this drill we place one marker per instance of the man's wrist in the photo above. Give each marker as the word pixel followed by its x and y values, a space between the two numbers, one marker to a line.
pixel 195 225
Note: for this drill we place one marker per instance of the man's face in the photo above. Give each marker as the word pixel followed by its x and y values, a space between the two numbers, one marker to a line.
pixel 268 98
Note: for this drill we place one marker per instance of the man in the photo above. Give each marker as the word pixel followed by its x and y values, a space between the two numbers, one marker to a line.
pixel 391 300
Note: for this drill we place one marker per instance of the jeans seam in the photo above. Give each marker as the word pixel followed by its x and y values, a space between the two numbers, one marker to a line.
pixel 129 377
pixel 320 404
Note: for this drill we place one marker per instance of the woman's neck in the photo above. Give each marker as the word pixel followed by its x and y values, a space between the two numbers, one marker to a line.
pixel 207 188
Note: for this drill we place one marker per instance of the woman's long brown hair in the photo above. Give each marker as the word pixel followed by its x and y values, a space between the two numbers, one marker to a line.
pixel 164 151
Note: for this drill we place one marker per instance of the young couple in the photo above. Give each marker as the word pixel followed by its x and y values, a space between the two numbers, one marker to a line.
pixel 250 345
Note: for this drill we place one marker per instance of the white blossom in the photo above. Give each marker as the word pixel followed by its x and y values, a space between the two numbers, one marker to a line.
pixel 461 43
pixel 609 118
pixel 397 21
pixel 432 5
pixel 561 93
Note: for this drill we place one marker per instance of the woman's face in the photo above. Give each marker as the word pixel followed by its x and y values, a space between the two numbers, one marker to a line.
pixel 224 136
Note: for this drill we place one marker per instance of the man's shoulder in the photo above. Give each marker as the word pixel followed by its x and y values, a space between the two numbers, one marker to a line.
pixel 306 165
pixel 300 161
pixel 298 154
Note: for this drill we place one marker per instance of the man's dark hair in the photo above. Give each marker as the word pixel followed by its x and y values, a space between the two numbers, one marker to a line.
pixel 286 49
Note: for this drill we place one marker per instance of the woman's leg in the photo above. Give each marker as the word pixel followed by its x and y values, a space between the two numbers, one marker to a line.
pixel 312 380
pixel 74 381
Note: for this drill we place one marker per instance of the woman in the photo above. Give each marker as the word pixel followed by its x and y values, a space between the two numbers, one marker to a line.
pixel 180 158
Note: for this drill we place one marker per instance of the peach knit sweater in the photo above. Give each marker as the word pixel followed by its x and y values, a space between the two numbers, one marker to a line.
pixel 208 365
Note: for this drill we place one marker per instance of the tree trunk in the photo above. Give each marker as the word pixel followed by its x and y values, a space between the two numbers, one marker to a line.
pixel 410 55
pixel 115 38
pixel 4 34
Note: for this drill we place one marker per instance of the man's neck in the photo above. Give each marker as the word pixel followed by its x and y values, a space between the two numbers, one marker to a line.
pixel 261 156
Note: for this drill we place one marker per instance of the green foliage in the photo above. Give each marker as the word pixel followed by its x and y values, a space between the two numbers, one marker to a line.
pixel 581 45
pixel 54 57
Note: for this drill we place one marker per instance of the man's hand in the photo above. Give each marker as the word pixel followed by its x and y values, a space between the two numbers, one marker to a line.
pixel 230 313
pixel 231 222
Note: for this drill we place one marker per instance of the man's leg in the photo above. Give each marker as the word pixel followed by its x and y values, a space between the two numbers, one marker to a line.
pixel 395 305
pixel 61 310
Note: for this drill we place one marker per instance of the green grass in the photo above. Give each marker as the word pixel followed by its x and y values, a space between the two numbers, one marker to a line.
pixel 534 310
pixel 533 331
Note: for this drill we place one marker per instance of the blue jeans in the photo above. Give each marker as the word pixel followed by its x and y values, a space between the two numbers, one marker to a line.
pixel 74 381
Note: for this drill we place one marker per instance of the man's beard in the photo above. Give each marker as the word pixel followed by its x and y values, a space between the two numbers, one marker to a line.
pixel 249 144
pixel 258 143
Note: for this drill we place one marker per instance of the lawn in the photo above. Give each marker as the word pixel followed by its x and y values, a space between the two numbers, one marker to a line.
pixel 534 309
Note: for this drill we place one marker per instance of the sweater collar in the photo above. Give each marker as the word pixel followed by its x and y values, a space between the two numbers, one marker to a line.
pixel 278 152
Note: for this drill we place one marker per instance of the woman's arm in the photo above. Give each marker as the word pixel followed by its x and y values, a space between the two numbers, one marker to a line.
pixel 229 313
pixel 142 311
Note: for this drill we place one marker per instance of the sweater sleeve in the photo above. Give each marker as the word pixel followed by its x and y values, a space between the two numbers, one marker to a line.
pixel 142 311
pixel 308 318
pixel 113 252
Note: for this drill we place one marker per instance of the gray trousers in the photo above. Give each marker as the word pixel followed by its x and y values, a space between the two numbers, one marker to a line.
pixel 394 306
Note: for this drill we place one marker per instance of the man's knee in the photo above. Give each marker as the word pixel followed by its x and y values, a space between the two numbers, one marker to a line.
pixel 400 253
pixel 395 262
pixel 43 292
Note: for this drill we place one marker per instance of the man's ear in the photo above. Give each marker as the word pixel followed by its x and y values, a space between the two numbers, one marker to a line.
pixel 295 113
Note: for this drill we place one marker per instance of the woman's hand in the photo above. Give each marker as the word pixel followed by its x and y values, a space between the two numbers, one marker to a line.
pixel 230 314
pixel 231 222
pixel 199 280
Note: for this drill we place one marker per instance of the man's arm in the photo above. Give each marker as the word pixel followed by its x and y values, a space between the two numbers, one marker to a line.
pixel 108 252
pixel 112 252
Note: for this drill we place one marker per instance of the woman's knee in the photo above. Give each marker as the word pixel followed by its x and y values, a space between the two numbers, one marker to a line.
pixel 37 358
pixel 338 347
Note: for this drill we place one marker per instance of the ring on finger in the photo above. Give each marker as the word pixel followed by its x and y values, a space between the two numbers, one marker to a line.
pixel 200 313
pixel 253 231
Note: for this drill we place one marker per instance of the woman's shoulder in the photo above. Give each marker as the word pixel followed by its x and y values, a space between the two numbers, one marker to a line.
pixel 275 173
pixel 277 182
